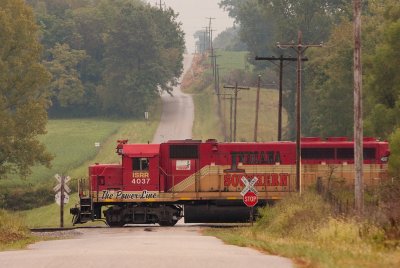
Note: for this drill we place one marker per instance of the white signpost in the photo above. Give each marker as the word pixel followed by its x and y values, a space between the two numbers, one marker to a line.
pixel 61 197
pixel 249 194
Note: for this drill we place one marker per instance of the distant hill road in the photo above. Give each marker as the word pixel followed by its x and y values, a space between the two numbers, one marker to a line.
pixel 177 114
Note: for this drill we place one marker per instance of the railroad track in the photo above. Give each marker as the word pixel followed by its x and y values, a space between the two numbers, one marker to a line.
pixel 203 225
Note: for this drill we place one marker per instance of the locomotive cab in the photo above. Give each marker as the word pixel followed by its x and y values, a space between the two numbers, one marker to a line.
pixel 129 190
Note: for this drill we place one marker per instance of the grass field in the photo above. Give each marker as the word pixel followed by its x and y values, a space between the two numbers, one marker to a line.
pixel 71 142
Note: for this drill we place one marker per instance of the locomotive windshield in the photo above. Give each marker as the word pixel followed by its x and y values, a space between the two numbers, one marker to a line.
pixel 140 163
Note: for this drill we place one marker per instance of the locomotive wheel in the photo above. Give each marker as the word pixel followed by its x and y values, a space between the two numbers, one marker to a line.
pixel 114 217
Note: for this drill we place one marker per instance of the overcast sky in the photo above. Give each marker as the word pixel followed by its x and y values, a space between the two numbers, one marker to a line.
pixel 194 13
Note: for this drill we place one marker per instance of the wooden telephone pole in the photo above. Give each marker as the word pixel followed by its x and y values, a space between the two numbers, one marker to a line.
pixel 236 89
pixel 281 59
pixel 300 48
pixel 230 98
pixel 257 107
pixel 358 122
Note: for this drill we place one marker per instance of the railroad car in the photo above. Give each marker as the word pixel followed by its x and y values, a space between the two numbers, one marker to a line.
pixel 203 181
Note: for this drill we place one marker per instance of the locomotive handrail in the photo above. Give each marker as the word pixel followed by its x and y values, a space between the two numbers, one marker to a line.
pixel 173 179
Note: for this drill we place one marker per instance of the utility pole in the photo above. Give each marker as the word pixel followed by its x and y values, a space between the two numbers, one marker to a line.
pixel 236 89
pixel 300 48
pixel 205 39
pixel 160 4
pixel 257 107
pixel 358 122
pixel 230 98
pixel 213 57
pixel 281 59
pixel 210 32
pixel 217 69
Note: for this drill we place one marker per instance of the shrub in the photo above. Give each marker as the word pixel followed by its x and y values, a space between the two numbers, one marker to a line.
pixel 394 159
pixel 12 228
pixel 297 215
pixel 348 231
pixel 389 208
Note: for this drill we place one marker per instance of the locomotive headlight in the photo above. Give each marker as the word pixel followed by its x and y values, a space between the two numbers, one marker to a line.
pixel 385 156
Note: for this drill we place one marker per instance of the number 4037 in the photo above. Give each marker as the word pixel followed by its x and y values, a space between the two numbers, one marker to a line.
pixel 141 181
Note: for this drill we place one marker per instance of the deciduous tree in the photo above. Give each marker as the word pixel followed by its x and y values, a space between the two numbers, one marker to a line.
pixel 23 98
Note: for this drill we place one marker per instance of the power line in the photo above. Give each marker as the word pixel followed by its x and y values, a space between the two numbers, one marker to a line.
pixel 236 89
pixel 299 48
pixel 281 59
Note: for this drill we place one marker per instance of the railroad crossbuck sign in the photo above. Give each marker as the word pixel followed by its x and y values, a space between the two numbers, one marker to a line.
pixel 249 193
pixel 59 187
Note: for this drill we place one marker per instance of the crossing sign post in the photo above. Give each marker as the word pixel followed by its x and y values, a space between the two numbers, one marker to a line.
pixel 62 194
pixel 249 194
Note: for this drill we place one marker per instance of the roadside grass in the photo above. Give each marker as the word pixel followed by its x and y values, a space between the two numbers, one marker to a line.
pixel 206 123
pixel 13 232
pixel 49 216
pixel 301 228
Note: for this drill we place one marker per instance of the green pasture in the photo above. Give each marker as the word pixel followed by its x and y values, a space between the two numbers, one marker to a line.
pixel 231 60
pixel 71 142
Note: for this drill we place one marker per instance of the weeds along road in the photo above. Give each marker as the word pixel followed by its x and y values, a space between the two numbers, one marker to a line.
pixel 145 246
pixel 150 247
pixel 178 112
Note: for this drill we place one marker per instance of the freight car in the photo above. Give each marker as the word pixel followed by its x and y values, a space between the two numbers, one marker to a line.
pixel 202 181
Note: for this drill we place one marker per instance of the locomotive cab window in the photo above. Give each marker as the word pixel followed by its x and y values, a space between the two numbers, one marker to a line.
pixel 317 153
pixel 183 151
pixel 140 163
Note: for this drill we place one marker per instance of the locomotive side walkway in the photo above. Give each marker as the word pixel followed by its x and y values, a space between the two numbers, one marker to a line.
pixel 140 247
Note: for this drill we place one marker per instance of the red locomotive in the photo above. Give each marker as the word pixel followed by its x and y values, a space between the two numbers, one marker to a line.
pixel 202 181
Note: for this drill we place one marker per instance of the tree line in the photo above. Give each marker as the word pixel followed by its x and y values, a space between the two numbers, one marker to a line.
pixel 108 57
pixel 75 58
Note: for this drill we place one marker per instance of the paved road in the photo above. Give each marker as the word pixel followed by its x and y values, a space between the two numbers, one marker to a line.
pixel 178 113
pixel 148 247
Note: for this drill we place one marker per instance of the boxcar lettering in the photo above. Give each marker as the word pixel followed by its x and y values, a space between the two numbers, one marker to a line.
pixel 266 179
pixel 126 195
pixel 107 195
pixel 255 158
pixel 140 175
